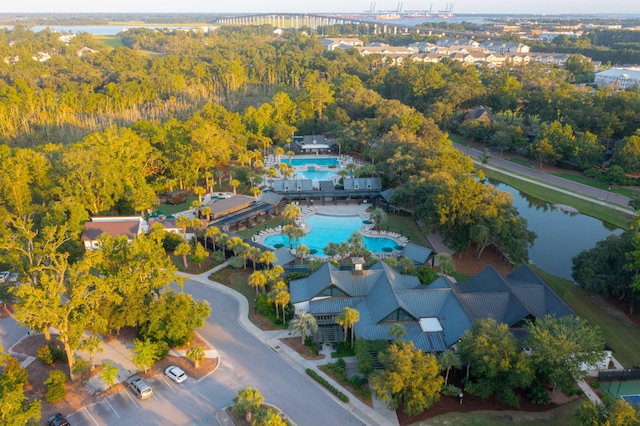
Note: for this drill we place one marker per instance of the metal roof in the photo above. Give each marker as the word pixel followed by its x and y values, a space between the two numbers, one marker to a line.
pixel 419 254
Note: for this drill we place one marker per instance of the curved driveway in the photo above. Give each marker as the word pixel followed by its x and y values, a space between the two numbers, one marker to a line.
pixel 247 361
pixel 579 190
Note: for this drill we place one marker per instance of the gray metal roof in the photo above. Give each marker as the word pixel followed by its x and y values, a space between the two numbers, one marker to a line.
pixel 333 305
pixel 292 185
pixel 271 198
pixel 419 254
pixel 361 183
pixel 283 256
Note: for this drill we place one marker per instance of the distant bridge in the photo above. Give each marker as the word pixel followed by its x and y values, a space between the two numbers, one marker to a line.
pixel 372 26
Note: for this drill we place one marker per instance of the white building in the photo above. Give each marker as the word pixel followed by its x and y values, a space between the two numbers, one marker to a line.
pixel 618 78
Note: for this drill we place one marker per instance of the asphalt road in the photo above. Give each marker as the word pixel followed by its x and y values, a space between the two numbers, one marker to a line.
pixel 605 197
pixel 245 361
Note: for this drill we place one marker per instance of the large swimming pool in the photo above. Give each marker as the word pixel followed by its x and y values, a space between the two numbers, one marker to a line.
pixel 319 161
pixel 313 174
pixel 332 228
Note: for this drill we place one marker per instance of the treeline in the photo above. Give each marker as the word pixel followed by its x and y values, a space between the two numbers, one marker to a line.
pixel 105 18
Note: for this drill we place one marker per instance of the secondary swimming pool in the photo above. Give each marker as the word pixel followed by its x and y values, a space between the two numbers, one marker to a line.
pixel 304 161
pixel 313 174
pixel 335 229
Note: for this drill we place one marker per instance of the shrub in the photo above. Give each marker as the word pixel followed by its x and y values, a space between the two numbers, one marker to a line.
pixel 315 376
pixel 171 241
pixel 595 385
pixel 56 390
pixel 109 373
pixel 196 354
pixel 80 366
pixel 58 354
pixel 539 395
pixel 44 354
pixel 451 390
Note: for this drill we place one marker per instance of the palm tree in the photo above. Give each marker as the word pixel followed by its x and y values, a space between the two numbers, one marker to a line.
pixel 243 251
pixel 378 217
pixel 351 168
pixel 211 232
pixel 297 234
pixel 183 222
pixel 234 183
pixel 283 298
pixel 331 249
pixel 183 249
pixel 303 323
pixel 291 212
pixel 254 254
pixel 222 239
pixel 397 331
pixel 206 212
pixel 234 244
pixel 343 174
pixel 448 359
pixel 199 191
pixel 346 319
pixel 278 151
pixel 256 191
pixel 258 280
pixel 246 401
pixel 268 258
pixel 302 251
pixel 91 344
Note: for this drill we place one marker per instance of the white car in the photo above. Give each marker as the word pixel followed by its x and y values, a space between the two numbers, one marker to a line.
pixel 4 275
pixel 176 374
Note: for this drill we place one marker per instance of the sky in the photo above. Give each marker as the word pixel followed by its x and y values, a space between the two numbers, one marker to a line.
pixel 315 6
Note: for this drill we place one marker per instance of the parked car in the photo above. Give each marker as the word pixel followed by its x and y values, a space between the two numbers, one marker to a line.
pixel 13 277
pixel 139 387
pixel 176 374
pixel 58 420
pixel 4 275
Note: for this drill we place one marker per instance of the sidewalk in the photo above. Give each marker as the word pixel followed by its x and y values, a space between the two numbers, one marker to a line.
pixel 379 415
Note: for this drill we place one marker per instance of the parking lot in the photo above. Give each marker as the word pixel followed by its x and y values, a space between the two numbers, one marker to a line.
pixel 171 403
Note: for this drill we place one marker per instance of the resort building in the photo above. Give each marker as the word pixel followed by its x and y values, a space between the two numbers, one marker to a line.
pixel 114 226
pixel 312 144
pixel 435 316
pixel 241 211
pixel 618 78
pixel 341 43
pixel 169 225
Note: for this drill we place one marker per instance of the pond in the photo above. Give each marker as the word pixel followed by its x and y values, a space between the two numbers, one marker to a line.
pixel 561 235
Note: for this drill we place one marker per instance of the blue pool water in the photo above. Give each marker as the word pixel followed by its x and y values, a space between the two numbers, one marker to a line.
pixel 314 174
pixel 320 161
pixel 331 228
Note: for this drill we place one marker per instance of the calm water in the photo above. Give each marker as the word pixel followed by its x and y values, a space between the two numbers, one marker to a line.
pixel 318 161
pixel 331 228
pixel 561 235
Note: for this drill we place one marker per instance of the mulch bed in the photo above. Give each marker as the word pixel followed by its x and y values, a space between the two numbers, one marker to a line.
pixel 449 404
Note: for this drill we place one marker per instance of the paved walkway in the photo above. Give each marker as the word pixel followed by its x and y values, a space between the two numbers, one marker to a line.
pixel 379 415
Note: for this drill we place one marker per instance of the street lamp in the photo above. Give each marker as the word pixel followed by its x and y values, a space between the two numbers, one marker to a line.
pixel 608 191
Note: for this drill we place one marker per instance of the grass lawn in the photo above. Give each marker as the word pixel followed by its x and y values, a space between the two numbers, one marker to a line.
pixel 192 268
pixel 520 161
pixel 598 211
pixel 110 40
pixel 169 209
pixel 563 415
pixel 627 192
pixel 621 333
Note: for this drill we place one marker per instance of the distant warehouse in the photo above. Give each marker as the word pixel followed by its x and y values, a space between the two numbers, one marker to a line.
pixel 618 78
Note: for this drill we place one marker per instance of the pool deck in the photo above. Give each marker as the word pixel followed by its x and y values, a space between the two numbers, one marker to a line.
pixel 339 210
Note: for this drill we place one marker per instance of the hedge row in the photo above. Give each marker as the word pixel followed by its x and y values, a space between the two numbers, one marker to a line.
pixel 318 378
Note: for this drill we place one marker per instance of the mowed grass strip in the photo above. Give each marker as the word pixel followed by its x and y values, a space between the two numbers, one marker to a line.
pixel 622 334
pixel 627 192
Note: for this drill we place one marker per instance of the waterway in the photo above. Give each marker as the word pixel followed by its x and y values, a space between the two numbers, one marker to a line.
pixel 561 235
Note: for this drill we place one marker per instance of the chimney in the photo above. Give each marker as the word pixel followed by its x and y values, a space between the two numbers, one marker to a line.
pixel 358 263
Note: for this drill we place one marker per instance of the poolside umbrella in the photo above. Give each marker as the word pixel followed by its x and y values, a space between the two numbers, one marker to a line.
pixel 387 249
pixel 279 245
pixel 313 251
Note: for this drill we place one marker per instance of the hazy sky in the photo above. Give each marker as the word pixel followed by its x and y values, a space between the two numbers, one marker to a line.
pixel 226 6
